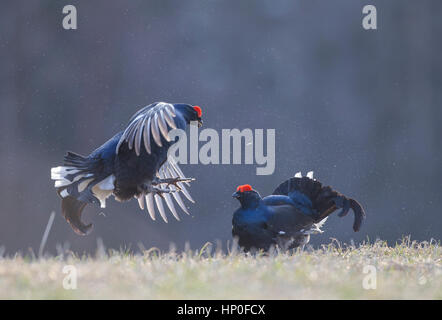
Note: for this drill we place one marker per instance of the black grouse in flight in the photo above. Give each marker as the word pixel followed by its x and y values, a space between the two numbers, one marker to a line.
pixel 133 163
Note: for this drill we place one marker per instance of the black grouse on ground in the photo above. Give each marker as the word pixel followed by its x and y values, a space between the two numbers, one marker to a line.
pixel 297 208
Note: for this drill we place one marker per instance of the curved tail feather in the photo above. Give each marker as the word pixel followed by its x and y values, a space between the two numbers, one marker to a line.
pixel 324 199
pixel 72 210
pixel 359 214
pixel 78 182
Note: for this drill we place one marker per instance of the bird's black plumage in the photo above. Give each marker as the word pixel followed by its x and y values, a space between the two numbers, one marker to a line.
pixel 133 163
pixel 297 208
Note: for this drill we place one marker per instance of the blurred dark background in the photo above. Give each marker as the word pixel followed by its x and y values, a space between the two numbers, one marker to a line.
pixel 360 108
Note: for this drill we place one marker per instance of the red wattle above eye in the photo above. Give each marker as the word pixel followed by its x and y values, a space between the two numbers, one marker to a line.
pixel 198 110
pixel 244 188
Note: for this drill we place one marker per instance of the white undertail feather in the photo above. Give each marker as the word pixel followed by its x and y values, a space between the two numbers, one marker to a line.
pixel 62 183
pixel 61 171
pixel 83 184
pixel 104 189
pixel 316 227
pixel 59 175
pixel 309 175
pixel 101 190
pixel 321 223
pixel 108 183
pixel 64 193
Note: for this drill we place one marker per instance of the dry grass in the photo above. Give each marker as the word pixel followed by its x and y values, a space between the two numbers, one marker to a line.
pixel 409 270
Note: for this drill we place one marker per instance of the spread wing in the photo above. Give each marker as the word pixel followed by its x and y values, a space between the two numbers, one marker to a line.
pixel 148 125
pixel 168 170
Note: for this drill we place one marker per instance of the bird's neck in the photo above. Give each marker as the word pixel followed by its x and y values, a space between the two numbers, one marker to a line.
pixel 251 203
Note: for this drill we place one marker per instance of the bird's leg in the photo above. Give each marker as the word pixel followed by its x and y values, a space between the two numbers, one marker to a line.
pixel 160 191
pixel 171 181
pixel 146 188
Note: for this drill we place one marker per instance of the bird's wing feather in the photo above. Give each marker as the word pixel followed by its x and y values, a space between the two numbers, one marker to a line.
pixel 276 200
pixel 288 218
pixel 152 121
pixel 303 206
pixel 149 127
pixel 169 170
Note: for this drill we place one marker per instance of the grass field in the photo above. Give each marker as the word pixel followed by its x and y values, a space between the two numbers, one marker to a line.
pixel 409 270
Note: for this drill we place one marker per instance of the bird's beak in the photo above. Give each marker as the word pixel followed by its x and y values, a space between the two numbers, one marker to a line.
pixel 198 123
pixel 236 195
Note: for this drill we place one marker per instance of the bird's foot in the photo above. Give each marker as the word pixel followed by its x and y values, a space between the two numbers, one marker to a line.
pixel 150 188
pixel 160 191
pixel 172 181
